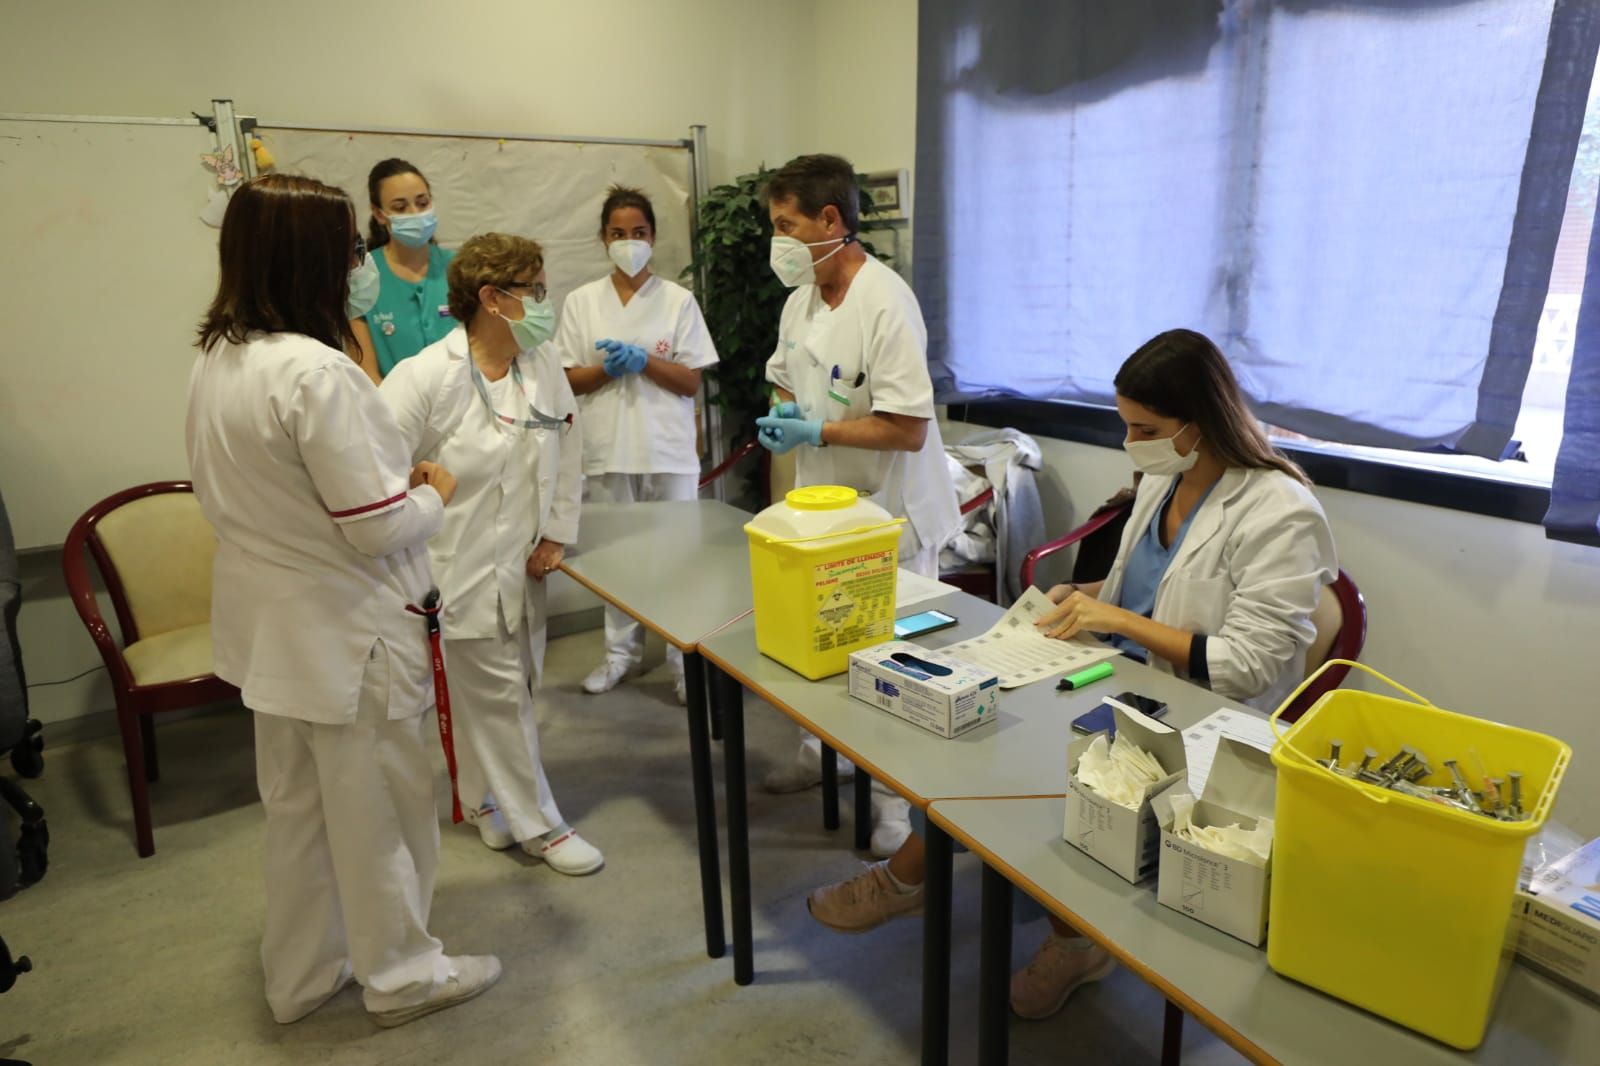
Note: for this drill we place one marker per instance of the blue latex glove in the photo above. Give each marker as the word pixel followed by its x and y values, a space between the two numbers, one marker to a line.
pixel 787 409
pixel 780 435
pixel 622 358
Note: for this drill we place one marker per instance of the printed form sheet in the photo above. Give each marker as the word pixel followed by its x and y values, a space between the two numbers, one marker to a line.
pixel 1020 654
pixel 1200 741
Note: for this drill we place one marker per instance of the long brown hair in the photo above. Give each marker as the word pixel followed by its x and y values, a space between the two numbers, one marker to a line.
pixel 1181 374
pixel 285 254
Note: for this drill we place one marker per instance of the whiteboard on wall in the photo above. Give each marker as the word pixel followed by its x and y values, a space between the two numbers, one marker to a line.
pixel 108 269
pixel 550 190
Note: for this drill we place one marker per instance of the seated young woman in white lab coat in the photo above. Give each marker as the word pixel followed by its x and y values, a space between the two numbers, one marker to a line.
pixel 490 402
pixel 320 520
pixel 634 345
pixel 1221 565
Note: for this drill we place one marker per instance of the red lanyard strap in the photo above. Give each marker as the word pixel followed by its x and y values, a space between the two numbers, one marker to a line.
pixel 431 605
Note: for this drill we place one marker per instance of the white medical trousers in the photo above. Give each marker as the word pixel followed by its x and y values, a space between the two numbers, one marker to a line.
pixel 496 734
pixel 624 636
pixel 926 563
pixel 352 843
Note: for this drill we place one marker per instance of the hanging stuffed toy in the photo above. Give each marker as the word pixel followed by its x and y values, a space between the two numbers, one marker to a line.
pixel 227 171
pixel 264 160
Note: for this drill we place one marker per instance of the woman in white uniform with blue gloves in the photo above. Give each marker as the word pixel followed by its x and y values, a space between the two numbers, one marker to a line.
pixel 1221 565
pixel 490 402
pixel 321 520
pixel 634 346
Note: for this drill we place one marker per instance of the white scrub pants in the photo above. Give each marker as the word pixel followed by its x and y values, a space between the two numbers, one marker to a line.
pixel 885 804
pixel 624 636
pixel 352 843
pixel 496 734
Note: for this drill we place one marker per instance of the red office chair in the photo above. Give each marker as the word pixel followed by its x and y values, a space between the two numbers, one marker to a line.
pixel 153 548
pixel 1341 620
pixel 1117 509
pixel 978 580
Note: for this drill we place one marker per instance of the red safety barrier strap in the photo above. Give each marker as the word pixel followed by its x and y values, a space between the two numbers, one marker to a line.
pixel 441 695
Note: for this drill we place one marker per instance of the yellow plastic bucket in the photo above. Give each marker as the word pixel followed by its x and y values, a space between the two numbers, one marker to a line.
pixel 1390 902
pixel 822 569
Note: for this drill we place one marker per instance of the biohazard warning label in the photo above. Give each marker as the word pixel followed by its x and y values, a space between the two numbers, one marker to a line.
pixel 854 600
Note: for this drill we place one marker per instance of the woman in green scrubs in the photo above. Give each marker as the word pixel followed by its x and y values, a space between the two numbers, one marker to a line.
pixel 413 308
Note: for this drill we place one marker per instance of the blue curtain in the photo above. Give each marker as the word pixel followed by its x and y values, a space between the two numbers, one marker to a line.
pixel 1575 492
pixel 1358 200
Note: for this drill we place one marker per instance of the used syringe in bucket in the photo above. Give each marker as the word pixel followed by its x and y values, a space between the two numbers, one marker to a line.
pixel 1407 770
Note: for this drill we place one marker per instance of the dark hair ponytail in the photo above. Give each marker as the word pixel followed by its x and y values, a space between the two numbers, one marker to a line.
pixel 620 196
pixel 1182 374
pixel 377 234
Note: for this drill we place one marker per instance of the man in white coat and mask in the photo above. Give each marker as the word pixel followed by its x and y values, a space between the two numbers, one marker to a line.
pixel 850 375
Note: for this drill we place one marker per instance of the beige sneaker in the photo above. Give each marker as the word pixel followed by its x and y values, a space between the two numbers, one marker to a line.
pixel 1061 966
pixel 863 902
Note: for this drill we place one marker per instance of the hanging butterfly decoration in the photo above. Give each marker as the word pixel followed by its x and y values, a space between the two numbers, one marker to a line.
pixel 228 172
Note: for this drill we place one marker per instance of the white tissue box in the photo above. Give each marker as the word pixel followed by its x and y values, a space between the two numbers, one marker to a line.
pixel 1121 839
pixel 1224 892
pixel 1560 921
pixel 948 704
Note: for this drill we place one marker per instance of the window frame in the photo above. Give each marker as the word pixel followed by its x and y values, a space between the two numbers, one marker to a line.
pixel 1090 424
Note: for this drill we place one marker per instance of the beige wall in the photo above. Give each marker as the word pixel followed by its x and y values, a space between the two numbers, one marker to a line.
pixel 770 78
pixel 616 68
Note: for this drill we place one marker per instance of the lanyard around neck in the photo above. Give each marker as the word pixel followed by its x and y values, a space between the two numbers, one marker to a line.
pixel 540 420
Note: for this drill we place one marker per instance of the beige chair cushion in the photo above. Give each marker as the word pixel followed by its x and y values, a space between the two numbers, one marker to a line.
pixel 1328 618
pixel 162 548
pixel 175 656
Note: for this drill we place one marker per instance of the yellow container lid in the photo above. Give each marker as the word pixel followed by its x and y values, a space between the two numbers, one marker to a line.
pixel 821 497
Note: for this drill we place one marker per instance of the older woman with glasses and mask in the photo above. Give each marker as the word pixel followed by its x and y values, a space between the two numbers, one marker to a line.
pixel 490 401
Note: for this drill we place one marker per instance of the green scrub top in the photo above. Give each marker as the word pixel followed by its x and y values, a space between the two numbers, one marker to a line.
pixel 409 316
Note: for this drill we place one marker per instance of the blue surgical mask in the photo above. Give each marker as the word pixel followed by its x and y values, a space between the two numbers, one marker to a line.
pixel 413 231
pixel 537 324
pixel 363 289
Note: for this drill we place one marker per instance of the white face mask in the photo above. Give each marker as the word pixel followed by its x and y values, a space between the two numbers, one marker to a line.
pixel 791 259
pixel 1161 456
pixel 630 257
pixel 364 283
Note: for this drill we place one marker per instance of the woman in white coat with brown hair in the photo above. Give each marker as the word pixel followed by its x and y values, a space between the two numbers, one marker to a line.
pixel 490 402
pixel 321 520
pixel 1222 563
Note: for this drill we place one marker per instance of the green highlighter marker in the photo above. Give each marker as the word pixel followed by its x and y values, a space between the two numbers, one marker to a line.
pixel 1085 677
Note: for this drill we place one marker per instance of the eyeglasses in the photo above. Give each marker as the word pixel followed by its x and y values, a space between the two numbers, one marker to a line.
pixel 359 251
pixel 535 288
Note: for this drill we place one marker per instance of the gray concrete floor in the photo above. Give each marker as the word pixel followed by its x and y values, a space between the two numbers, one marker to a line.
pixel 155 960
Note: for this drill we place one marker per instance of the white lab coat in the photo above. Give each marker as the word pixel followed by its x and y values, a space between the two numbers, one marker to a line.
pixel 299 467
pixel 1248 575
pixel 876 336
pixel 432 397
pixel 515 486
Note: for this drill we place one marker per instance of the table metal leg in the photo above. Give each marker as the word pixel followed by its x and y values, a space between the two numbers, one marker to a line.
pixel 830 788
pixel 994 971
pixel 705 804
pixel 1172 1036
pixel 863 809
pixel 714 708
pixel 732 701
pixel 936 949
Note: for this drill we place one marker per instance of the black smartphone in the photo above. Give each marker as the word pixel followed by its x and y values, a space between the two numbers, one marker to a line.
pixel 1102 720
pixel 915 625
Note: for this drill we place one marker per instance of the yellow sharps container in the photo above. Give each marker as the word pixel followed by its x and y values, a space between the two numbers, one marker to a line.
pixel 822 569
